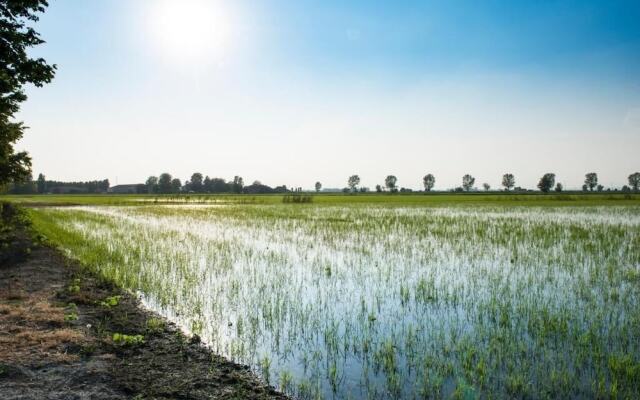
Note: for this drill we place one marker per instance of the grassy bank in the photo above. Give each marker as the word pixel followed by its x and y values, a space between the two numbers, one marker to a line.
pixel 66 330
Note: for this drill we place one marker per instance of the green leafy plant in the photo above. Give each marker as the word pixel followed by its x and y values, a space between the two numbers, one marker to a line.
pixel 111 301
pixel 265 365
pixel 74 287
pixel 122 339
pixel 71 312
pixel 155 324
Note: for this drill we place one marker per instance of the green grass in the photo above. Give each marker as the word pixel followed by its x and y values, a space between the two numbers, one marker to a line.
pixel 409 199
pixel 384 296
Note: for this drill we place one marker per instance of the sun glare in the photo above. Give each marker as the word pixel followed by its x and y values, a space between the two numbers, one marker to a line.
pixel 190 31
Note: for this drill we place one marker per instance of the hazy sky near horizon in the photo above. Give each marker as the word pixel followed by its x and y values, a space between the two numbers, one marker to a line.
pixel 294 92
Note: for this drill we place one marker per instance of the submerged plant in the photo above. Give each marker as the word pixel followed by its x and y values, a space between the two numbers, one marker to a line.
pixel 375 301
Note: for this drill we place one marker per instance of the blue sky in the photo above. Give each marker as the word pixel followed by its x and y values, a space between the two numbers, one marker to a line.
pixel 290 92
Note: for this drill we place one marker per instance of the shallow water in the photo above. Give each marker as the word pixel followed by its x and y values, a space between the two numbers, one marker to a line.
pixel 388 302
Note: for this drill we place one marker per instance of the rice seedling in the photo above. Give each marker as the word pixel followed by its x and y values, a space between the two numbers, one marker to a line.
pixel 385 300
pixel 154 324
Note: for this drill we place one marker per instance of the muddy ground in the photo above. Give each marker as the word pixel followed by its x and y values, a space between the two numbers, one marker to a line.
pixel 66 334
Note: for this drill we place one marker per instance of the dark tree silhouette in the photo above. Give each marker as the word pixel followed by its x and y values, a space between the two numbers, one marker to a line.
pixel 104 185
pixel 318 186
pixel 164 183
pixel 508 181
pixel 546 182
pixel 634 181
pixel 16 70
pixel 176 185
pixel 27 186
pixel 353 182
pixel 428 181
pixel 558 187
pixel 152 184
pixel 42 184
pixel 196 183
pixel 467 182
pixel 591 180
pixel 238 184
pixel 390 182
pixel 219 185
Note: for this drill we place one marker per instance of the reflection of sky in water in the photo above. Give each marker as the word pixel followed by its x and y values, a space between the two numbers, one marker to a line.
pixel 320 291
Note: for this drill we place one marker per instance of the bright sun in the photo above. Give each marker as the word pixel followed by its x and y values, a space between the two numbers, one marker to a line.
pixel 192 31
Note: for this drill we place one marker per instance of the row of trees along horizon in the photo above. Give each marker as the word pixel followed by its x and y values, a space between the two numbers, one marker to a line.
pixel 546 184
pixel 19 69
pixel 166 184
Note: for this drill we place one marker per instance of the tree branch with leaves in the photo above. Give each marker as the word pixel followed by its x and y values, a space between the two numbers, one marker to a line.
pixel 17 69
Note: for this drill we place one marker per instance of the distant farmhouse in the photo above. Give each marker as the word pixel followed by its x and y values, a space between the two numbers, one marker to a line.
pixel 135 188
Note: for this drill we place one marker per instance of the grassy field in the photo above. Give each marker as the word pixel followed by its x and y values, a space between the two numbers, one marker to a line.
pixel 435 199
pixel 383 296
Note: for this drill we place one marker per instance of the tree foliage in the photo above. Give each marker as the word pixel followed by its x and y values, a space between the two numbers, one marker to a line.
pixel 546 182
pixel 591 180
pixel 218 185
pixel 164 183
pixel 391 183
pixel 152 184
pixel 634 181
pixel 176 185
pixel 42 184
pixel 353 182
pixel 238 184
pixel 508 181
pixel 318 186
pixel 196 182
pixel 16 70
pixel 428 181
pixel 467 182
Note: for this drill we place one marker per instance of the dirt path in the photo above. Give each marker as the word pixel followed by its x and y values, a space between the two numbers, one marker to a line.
pixel 64 334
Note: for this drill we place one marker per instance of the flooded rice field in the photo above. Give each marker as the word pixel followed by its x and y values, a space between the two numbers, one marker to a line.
pixel 386 302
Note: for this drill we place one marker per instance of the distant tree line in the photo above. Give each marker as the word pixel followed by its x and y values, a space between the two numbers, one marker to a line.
pixel 42 186
pixel 167 184
pixel 546 184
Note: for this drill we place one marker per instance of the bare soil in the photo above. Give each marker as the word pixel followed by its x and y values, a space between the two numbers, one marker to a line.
pixel 57 326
